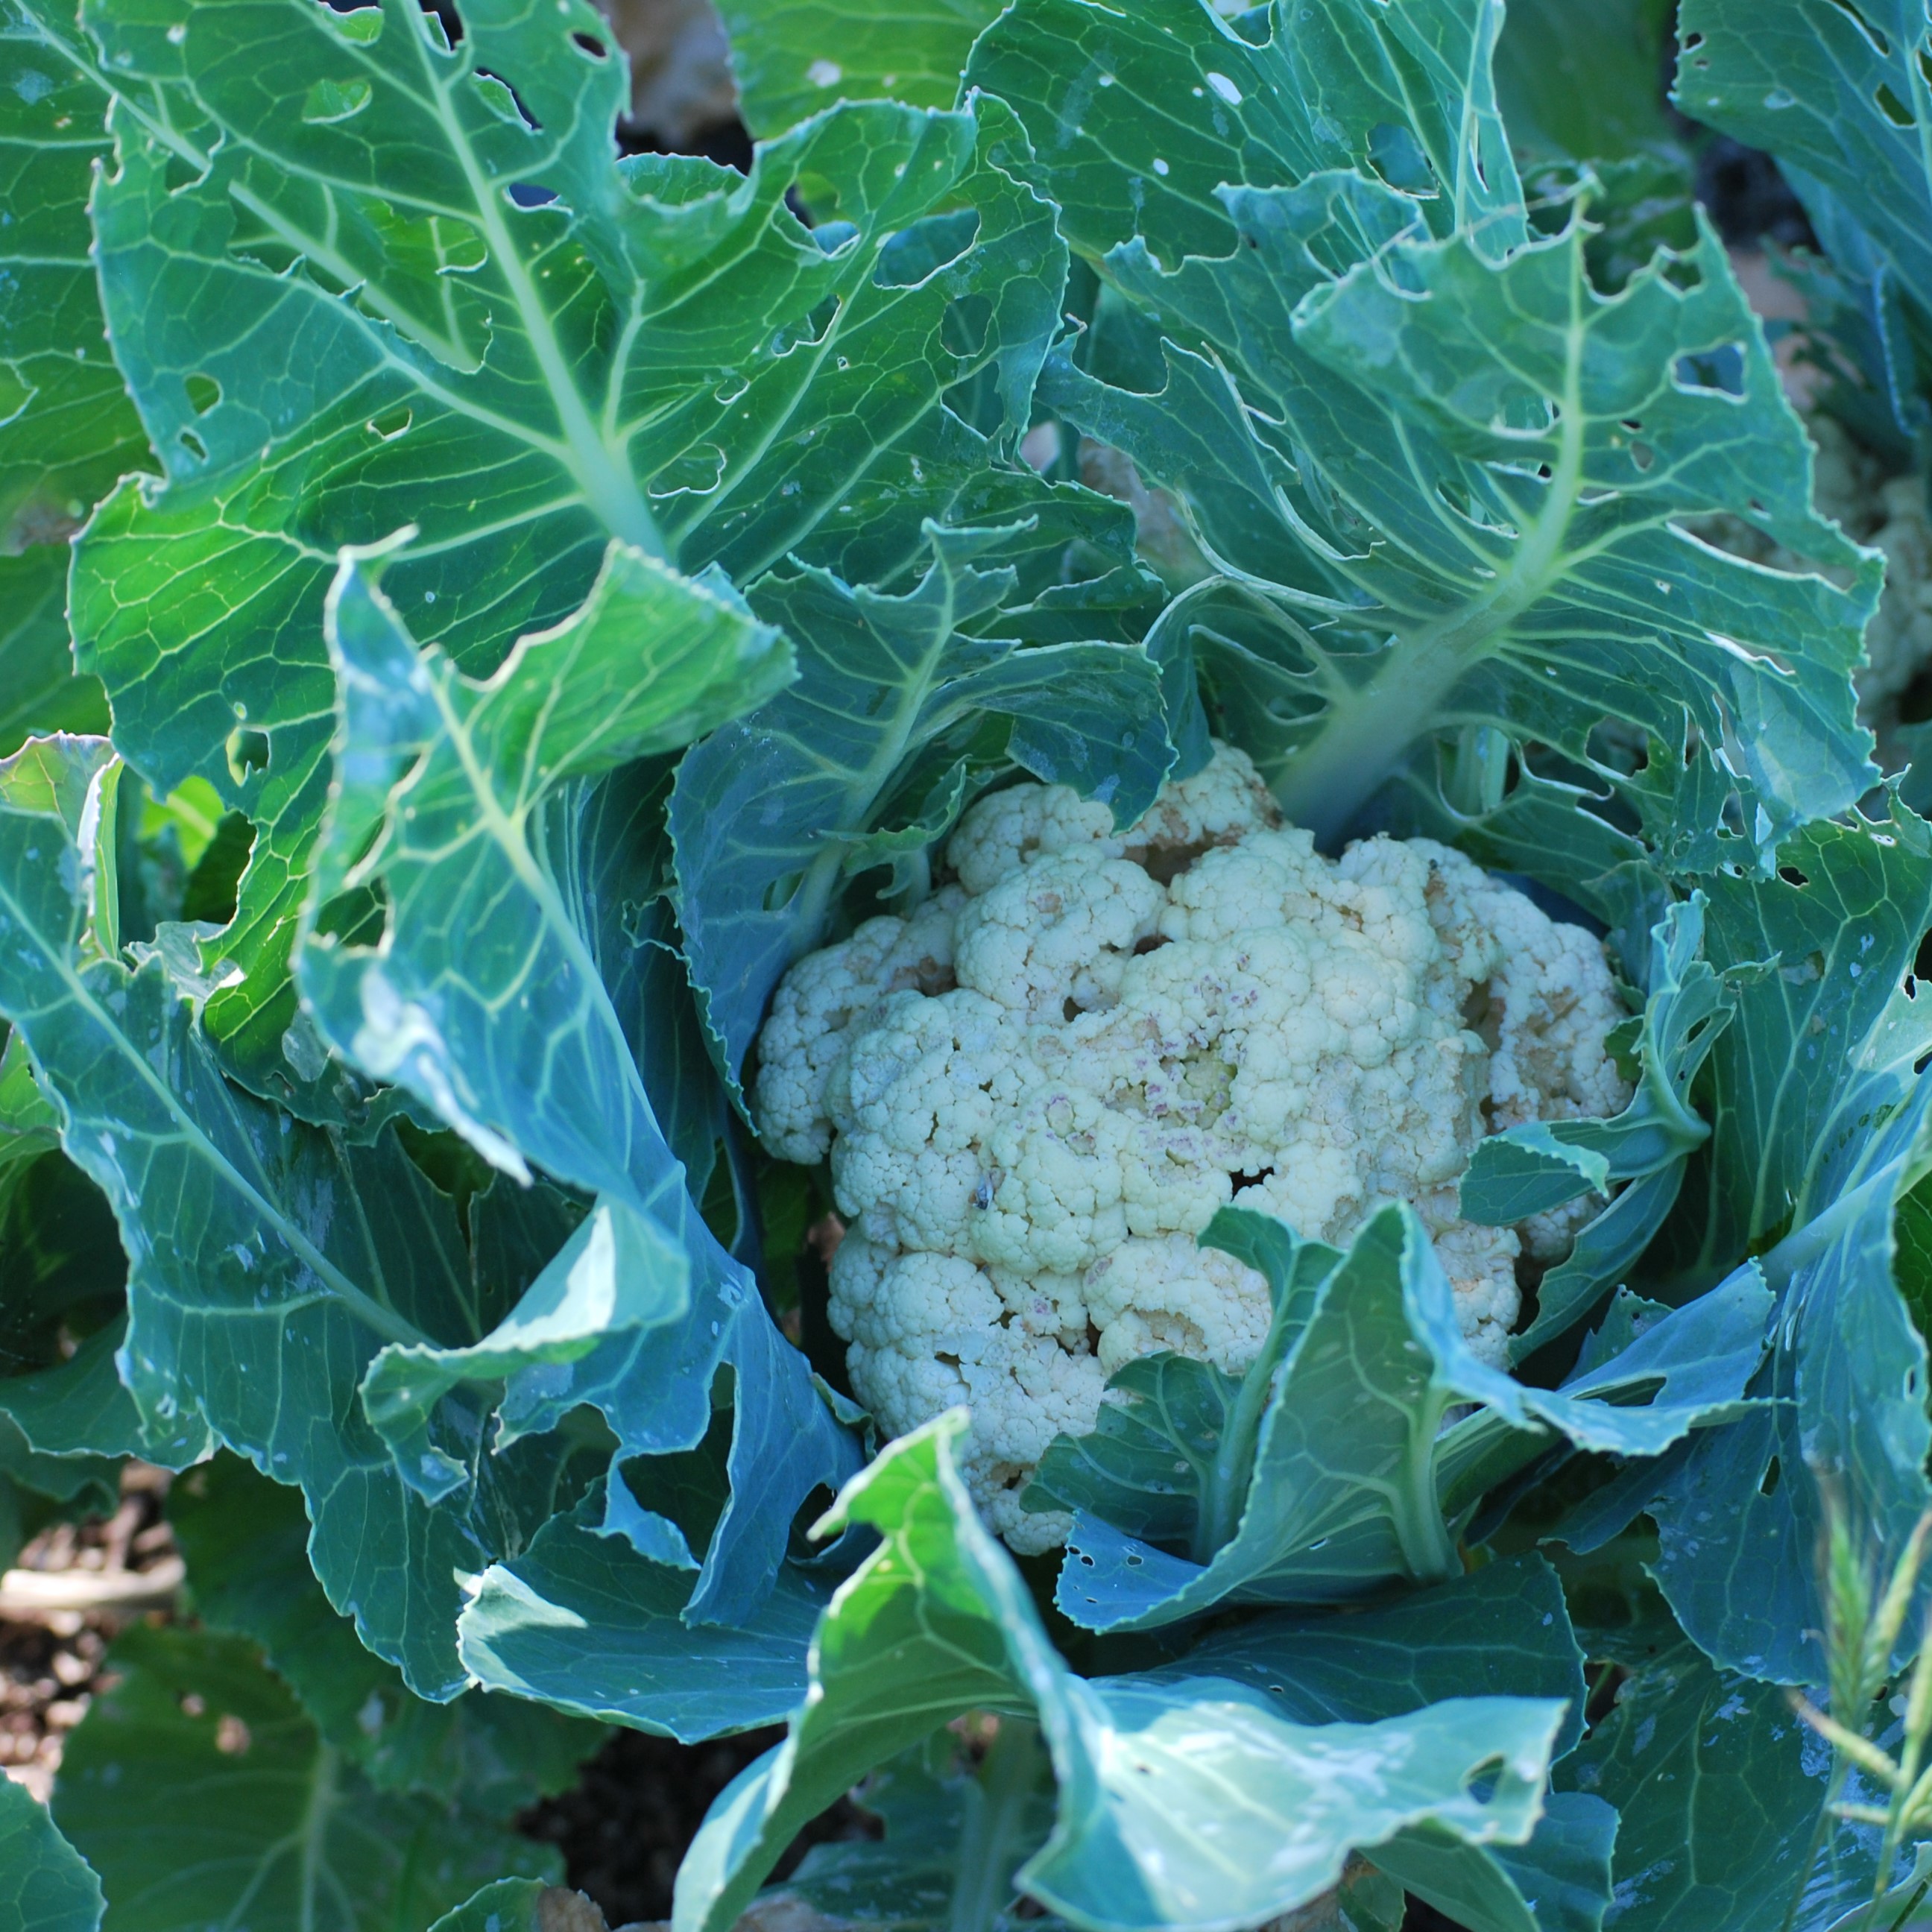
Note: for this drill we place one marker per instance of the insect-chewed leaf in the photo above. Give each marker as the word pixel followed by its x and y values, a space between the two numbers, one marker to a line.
pixel 269 1261
pixel 1838 93
pixel 790 60
pixel 1718 1788
pixel 1458 473
pixel 1812 1147
pixel 486 996
pixel 67 430
pixel 357 278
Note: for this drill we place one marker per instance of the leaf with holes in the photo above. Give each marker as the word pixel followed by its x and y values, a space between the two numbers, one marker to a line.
pixel 359 279
pixel 1453 477
pixel 470 802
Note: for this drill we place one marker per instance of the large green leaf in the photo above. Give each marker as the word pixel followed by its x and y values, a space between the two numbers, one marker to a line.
pixel 45 1884
pixel 954 1833
pixel 1587 83
pixel 39 691
pixel 1338 1477
pixel 581 1621
pixel 887 723
pixel 270 1262
pixel 1451 475
pixel 486 996
pixel 202 1794
pixel 937 1622
pixel 1141 118
pixel 1719 1790
pixel 792 57
pixel 1839 94
pixel 1818 1110
pixel 67 430
pixel 357 279
pixel 245 1541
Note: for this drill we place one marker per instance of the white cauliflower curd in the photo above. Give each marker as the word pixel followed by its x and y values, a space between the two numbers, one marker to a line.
pixel 1037 1089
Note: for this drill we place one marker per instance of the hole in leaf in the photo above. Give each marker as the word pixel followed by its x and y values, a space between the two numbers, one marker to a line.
pixel 1792 876
pixel 391 423
pixel 1880 45
pixel 503 101
pixel 329 101
pixel 443 24
pixel 1642 455
pixel 212 886
pixel 203 393
pixel 1481 1782
pixel 925 247
pixel 1720 370
pixel 530 194
pixel 589 44
pixel 194 445
pixel 1768 1482
pixel 1893 109
pixel 361 26
pixel 247 752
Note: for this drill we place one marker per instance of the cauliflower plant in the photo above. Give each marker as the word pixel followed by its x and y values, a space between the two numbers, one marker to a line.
pixel 1037 1089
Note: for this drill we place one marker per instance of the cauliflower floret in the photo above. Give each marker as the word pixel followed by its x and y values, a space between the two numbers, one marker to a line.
pixel 822 997
pixel 1038 1091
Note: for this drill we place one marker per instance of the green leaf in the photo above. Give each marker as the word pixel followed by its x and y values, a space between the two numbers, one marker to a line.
pixel 45 1884
pixel 937 1621
pixel 769 814
pixel 1140 118
pixel 199 1792
pixel 1502 1630
pixel 582 1622
pixel 272 1261
pixel 1838 95
pixel 1352 1482
pixel 245 1541
pixel 617 1272
pixel 1559 1881
pixel 469 802
pixel 1718 1788
pixel 794 57
pixel 41 693
pixel 1414 446
pixel 954 1835
pixel 1818 1112
pixel 1586 83
pixel 328 342
pixel 67 430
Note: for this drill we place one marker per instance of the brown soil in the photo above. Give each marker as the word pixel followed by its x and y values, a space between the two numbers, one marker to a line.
pixel 50 1664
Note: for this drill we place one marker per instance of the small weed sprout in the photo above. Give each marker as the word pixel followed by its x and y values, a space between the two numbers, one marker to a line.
pixel 1861 1632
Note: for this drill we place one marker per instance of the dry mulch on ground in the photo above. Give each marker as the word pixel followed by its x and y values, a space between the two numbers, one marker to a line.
pixel 50 1656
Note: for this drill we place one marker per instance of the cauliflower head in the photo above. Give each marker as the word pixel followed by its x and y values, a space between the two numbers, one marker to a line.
pixel 1037 1089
